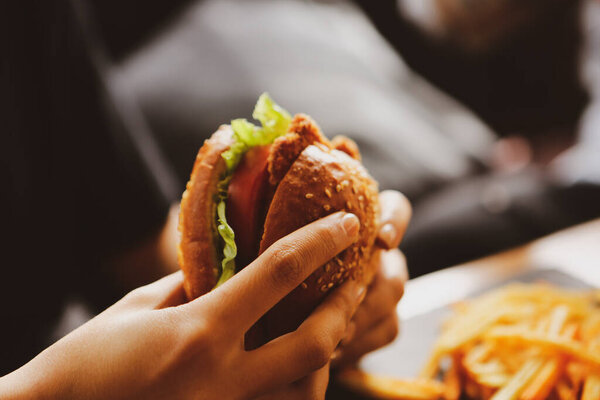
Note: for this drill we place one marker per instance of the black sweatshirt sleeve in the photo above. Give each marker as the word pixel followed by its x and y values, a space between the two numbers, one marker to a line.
pixel 81 177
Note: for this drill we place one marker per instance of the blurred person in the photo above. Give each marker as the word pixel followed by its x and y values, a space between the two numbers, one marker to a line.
pixel 474 192
pixel 86 196
pixel 515 63
pixel 323 57
pixel 518 65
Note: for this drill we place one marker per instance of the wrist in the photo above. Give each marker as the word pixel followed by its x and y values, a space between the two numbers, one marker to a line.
pixel 15 386
pixel 33 381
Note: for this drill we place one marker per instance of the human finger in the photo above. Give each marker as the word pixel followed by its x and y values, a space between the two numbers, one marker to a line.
pixel 246 297
pixel 395 215
pixel 309 348
pixel 380 335
pixel 384 293
pixel 165 292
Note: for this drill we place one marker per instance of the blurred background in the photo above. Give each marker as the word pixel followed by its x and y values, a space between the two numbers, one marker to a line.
pixel 484 113
pixel 462 105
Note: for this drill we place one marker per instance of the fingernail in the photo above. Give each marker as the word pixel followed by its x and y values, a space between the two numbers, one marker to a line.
pixel 336 355
pixel 361 292
pixel 351 224
pixel 388 235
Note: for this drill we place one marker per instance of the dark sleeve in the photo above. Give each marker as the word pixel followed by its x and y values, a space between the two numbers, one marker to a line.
pixel 81 176
pixel 491 213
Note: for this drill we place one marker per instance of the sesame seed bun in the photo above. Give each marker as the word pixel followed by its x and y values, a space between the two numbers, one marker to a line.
pixel 308 177
pixel 321 181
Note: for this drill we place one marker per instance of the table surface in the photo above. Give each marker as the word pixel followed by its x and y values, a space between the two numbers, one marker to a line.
pixel 575 251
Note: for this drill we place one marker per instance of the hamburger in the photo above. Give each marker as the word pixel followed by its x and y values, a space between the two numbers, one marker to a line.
pixel 252 185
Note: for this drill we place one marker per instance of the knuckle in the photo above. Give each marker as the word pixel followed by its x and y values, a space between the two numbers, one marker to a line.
pixel 286 266
pixel 136 297
pixel 203 339
pixel 329 240
pixel 319 351
pixel 345 305
pixel 192 338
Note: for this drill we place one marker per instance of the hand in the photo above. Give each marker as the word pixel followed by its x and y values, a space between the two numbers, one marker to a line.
pixel 151 345
pixel 375 323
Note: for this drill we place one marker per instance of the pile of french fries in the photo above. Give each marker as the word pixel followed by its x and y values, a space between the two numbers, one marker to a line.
pixel 521 342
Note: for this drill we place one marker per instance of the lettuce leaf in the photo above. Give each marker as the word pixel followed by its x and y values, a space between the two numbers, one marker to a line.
pixel 230 248
pixel 274 123
pixel 274 120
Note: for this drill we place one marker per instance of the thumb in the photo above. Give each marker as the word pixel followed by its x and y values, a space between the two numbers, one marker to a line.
pixel 165 292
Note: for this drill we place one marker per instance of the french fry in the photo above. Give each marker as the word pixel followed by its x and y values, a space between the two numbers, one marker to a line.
pixel 575 374
pixel 591 388
pixel 472 389
pixel 545 380
pixel 558 319
pixel 519 342
pixel 565 392
pixel 519 381
pixel 566 346
pixel 431 368
pixel 504 330
pixel 493 381
pixel 452 382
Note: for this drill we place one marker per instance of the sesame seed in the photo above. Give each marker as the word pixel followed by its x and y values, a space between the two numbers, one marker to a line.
pixel 327 207
pixel 304 285
pixel 323 288
pixel 338 188
pixel 348 205
pixel 309 195
pixel 338 275
pixel 327 192
pixel 361 198
pixel 327 268
pixel 320 280
pixel 329 285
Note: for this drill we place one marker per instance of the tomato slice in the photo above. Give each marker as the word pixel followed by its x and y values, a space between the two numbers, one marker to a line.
pixel 246 196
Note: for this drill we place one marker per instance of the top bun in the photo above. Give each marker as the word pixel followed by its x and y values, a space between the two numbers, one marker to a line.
pixel 322 180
